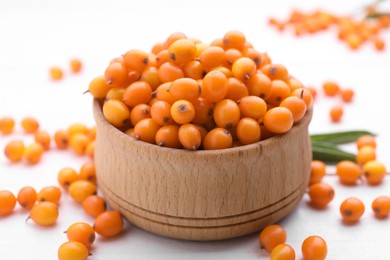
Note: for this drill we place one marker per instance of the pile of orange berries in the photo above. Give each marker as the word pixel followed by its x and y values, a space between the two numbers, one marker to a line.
pixel 189 94
pixel 57 73
pixel 43 205
pixel 353 31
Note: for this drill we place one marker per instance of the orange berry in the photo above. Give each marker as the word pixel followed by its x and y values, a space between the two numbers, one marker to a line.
pixel 252 106
pixel 72 250
pixel 226 113
pixel 365 140
pixel 56 73
pixel 182 112
pixel 79 190
pixel 14 150
pixel 7 202
pixel 348 172
pixel 27 196
pixel 87 172
pixel 321 194
pixel 146 129
pixel 248 131
pixel 234 39
pixel 108 223
pixel 33 153
pixel 75 65
pixel 271 236
pixel 218 138
pixel 381 207
pixel 78 143
pixel 214 86
pixel 61 138
pixel 81 232
pixel 30 125
pixel 44 213
pixel 49 193
pixel 278 120
pixel 190 137
pixel 318 170
pixel 335 113
pixel 139 92
pixel 351 210
pixel 282 252
pixel 296 105
pixel 374 172
pixel 331 88
pixel 94 205
pixel 43 137
pixel 66 176
pixel 7 125
pixel 347 95
pixel 365 154
pixel 314 248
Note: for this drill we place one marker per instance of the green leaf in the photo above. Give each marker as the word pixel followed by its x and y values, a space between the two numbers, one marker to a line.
pixel 330 153
pixel 339 137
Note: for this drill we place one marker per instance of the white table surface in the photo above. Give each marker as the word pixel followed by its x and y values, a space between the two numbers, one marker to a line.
pixel 35 35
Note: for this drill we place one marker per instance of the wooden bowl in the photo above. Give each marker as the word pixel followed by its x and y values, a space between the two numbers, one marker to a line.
pixel 202 195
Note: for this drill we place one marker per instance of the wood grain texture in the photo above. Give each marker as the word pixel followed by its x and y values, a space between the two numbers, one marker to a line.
pixel 202 195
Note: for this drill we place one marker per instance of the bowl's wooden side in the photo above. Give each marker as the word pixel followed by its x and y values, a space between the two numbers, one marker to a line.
pixel 202 195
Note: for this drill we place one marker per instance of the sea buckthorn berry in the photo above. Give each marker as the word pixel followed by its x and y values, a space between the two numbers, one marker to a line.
pixel 139 92
pixel 136 60
pixel 61 138
pixel 200 47
pixel 304 94
pixel 81 189
pixel 182 51
pixel 381 207
pixel 169 72
pixel 296 105
pixel 44 213
pixel 374 172
pixel 278 120
pixel 190 137
pixel 218 138
pixel 365 140
pixel 185 88
pixel 252 106
pixel 217 42
pixel 33 153
pixel 351 209
pixel 78 128
pixel 244 68
pixel 157 47
pixel 7 125
pixel 282 252
pixel 194 69
pixel 365 154
pixel 66 176
pixel 347 95
pixel 313 91
pixel 92 133
pixel 42 137
pixel 212 57
pixel 75 65
pixel 145 130
pixel 7 202
pixel 226 113
pixel 227 72
pixel 81 232
pixel 72 250
pixel 139 112
pixel 259 85
pixel 321 194
pixel 78 143
pixel 248 131
pixel 314 248
pixel 253 55
pixel 214 86
pixel 116 74
pixel 49 193
pixel 115 93
pixel 150 75
pixel 108 223
pixel 116 112
pixel 90 150
pixel 294 84
pixel 162 93
pixel 331 88
pixel 279 91
pixel 168 136
pixel 234 39
pixel 336 113
pixel 14 150
pixel 275 71
pixel 160 113
pixel 203 110
pixel 94 205
pixel 318 171
pixel 172 38
pixel 236 89
pixel 182 111
pixel 348 172
pixel 272 236
pixel 87 172
pixel 27 196
pixel 231 55
pixel 29 125
pixel 56 73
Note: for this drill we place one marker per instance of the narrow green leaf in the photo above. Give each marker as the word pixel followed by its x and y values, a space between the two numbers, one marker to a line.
pixel 339 137
pixel 330 153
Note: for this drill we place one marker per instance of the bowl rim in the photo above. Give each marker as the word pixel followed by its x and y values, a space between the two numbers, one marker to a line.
pixel 123 137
